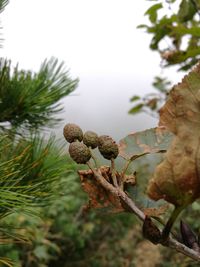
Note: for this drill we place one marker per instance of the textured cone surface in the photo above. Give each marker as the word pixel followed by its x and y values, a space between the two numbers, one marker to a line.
pixel 91 139
pixel 177 178
pixel 72 132
pixel 79 152
pixel 108 148
pixel 104 138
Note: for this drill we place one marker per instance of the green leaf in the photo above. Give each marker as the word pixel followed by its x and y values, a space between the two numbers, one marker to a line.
pixel 135 98
pixel 153 140
pixel 161 84
pixel 181 30
pixel 188 65
pixel 186 11
pixel 142 26
pixel 171 1
pixel 182 56
pixel 141 199
pixel 136 108
pixel 152 12
pixel 161 29
pixel 143 168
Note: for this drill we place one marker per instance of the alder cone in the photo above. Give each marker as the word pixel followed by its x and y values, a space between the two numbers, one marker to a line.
pixel 79 152
pixel 104 138
pixel 72 132
pixel 91 139
pixel 177 178
pixel 108 147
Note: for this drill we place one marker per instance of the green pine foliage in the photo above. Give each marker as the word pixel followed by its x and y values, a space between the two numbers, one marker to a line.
pixel 3 3
pixel 30 170
pixel 65 237
pixel 31 100
pixel 30 166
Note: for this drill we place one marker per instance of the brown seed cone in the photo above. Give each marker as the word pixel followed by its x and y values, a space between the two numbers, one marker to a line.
pixel 91 139
pixel 108 147
pixel 72 132
pixel 79 152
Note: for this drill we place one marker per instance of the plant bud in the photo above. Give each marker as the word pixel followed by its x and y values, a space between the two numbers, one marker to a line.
pixel 188 236
pixel 150 231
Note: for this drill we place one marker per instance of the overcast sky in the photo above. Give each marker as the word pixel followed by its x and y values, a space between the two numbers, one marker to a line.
pixel 99 43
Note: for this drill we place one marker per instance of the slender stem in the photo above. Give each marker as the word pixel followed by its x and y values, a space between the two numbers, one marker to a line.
pixel 161 221
pixel 170 242
pixel 128 162
pixel 117 192
pixel 170 222
pixel 113 174
pixel 124 170
pixel 94 158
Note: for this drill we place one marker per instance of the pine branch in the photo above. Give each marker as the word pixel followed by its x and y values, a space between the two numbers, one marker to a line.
pixel 30 171
pixel 3 4
pixel 31 100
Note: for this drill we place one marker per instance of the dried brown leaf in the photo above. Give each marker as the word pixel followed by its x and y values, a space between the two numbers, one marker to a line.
pixel 155 212
pixel 130 179
pixel 99 198
pixel 177 178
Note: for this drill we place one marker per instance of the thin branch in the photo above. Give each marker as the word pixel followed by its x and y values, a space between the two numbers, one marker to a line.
pixel 174 244
pixel 117 192
pixel 94 158
pixel 171 242
pixel 128 162
pixel 113 174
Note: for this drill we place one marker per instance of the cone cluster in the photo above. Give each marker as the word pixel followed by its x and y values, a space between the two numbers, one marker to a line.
pixel 81 144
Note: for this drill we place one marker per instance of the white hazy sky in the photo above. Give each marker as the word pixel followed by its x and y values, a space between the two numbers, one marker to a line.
pixel 99 43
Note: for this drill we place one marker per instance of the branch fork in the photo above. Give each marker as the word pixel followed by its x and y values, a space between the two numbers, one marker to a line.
pixel 116 191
